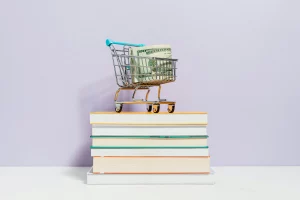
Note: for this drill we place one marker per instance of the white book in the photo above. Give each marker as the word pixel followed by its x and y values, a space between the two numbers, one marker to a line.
pixel 149 118
pixel 151 152
pixel 149 179
pixel 159 130
pixel 152 165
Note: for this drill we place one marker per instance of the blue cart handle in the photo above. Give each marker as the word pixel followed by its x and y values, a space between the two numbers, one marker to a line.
pixel 110 42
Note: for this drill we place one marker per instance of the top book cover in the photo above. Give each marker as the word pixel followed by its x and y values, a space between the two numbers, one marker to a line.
pixel 148 118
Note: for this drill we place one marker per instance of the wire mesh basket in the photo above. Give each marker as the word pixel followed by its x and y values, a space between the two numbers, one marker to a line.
pixel 141 73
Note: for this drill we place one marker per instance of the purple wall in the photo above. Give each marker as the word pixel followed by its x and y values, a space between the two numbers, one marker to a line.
pixel 238 60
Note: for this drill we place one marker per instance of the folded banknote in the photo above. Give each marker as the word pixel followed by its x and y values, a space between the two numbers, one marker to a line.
pixel 150 69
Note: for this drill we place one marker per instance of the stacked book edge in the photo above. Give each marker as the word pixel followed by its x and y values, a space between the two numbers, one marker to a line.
pixel 149 148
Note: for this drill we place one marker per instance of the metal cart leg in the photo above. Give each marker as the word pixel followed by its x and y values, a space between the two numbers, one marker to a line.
pixel 118 106
pixel 171 107
pixel 159 99
pixel 147 94
pixel 133 99
pixel 148 106
pixel 117 94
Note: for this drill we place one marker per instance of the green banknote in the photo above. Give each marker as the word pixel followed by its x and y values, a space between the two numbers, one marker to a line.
pixel 150 69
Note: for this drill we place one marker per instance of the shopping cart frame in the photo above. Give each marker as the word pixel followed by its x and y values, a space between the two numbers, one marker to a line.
pixel 124 77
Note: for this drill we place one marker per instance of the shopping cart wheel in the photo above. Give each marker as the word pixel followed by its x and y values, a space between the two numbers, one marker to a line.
pixel 171 108
pixel 156 108
pixel 118 108
pixel 149 107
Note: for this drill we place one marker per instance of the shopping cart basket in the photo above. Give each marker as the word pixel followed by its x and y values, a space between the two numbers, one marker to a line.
pixel 141 73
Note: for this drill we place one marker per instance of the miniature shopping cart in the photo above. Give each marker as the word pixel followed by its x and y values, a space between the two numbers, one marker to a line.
pixel 141 73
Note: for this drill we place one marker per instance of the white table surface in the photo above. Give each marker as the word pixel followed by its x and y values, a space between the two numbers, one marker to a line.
pixel 242 183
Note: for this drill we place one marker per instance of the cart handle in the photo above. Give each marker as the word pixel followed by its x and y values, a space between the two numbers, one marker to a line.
pixel 110 42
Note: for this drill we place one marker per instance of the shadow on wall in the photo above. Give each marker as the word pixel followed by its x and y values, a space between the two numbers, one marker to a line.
pixel 98 96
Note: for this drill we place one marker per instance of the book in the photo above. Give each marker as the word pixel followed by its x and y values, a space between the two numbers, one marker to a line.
pixel 148 141
pixel 151 165
pixel 149 118
pixel 148 130
pixel 149 179
pixel 159 147
pixel 106 151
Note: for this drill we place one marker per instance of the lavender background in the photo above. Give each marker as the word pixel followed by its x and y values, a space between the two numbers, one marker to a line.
pixel 238 60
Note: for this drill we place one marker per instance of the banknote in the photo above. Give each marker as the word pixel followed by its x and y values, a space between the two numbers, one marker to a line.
pixel 148 69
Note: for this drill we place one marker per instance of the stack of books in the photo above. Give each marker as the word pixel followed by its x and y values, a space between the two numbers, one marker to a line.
pixel 149 148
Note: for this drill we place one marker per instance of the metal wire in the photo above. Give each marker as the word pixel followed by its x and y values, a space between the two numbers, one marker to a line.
pixel 136 71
